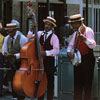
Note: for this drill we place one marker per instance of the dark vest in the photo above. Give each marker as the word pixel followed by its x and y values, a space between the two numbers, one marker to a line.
pixel 13 62
pixel 46 44
pixel 48 60
pixel 16 46
pixel 83 48
pixel 87 55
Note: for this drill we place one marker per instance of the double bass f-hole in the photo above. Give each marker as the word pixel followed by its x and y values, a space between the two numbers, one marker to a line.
pixel 30 69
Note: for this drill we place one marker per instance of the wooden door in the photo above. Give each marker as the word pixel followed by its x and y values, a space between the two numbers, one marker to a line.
pixel 7 12
pixel 59 12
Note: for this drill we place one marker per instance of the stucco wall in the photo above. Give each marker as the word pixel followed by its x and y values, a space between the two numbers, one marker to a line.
pixel 74 1
pixel 16 13
pixel 16 10
pixel 73 9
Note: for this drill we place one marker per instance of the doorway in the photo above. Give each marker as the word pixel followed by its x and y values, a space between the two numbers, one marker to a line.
pixel 7 11
pixel 56 10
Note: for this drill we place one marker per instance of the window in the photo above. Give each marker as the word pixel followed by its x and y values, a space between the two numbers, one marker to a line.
pixel 96 2
pixel 93 20
pixel 84 14
pixel 51 13
pixel 89 16
pixel 97 24
pixel 29 23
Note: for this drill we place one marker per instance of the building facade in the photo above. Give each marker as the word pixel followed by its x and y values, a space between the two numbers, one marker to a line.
pixel 16 9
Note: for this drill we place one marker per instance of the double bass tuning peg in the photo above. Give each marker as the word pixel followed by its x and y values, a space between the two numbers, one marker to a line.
pixel 29 3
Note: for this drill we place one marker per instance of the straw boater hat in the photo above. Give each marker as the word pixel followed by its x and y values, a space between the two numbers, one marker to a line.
pixel 50 20
pixel 15 21
pixel 75 18
pixel 11 26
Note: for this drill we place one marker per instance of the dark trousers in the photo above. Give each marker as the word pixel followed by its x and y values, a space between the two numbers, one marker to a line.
pixel 14 94
pixel 10 75
pixel 50 87
pixel 1 72
pixel 83 76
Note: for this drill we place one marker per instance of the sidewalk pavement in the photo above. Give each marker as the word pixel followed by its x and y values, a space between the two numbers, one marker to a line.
pixel 7 96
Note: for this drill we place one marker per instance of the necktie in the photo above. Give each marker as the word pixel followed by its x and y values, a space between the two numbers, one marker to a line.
pixel 12 41
pixel 45 36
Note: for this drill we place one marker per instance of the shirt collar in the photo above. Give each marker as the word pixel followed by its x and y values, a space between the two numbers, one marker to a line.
pixel 15 35
pixel 49 32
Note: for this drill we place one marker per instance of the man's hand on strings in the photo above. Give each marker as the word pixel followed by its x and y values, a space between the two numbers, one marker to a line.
pixel 43 54
pixel 30 37
pixel 70 55
pixel 81 37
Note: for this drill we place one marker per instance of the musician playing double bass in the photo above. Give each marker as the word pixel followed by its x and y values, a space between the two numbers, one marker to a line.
pixel 13 42
pixel 50 44
pixel 83 73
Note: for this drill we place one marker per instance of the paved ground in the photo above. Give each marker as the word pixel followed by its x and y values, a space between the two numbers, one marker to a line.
pixel 7 96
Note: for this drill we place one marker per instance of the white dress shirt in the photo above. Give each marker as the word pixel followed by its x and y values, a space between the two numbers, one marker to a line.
pixel 23 40
pixel 54 42
pixel 90 41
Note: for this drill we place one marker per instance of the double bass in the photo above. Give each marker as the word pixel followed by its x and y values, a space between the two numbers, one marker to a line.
pixel 31 79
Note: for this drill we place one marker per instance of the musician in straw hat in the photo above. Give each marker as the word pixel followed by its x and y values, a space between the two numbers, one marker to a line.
pixel 50 43
pixel 83 72
pixel 13 42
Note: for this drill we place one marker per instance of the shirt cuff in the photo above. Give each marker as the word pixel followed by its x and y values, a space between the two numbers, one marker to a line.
pixel 87 41
pixel 30 32
pixel 47 53
pixel 17 55
pixel 68 51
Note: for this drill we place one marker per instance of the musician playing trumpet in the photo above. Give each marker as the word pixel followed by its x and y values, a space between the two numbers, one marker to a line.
pixel 83 42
